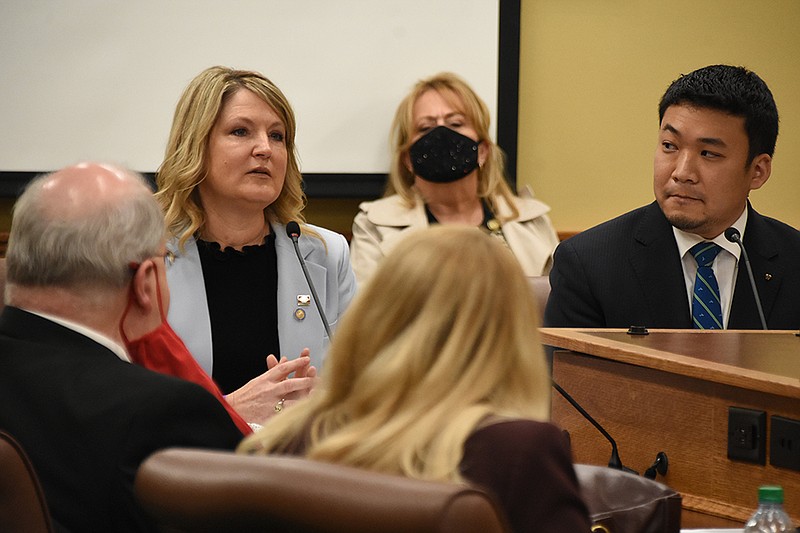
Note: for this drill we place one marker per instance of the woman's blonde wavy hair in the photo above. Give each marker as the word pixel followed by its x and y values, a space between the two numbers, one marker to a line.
pixel 440 341
pixel 185 162
pixel 491 175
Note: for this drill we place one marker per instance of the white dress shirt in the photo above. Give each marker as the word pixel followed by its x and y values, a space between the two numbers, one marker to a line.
pixel 99 338
pixel 725 266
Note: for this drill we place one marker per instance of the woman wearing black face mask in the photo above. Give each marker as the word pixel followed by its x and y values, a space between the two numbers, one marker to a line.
pixel 446 170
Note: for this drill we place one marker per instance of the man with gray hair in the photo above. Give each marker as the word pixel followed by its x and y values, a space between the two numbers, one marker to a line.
pixel 86 272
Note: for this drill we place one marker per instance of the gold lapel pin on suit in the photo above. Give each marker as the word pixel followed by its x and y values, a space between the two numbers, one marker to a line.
pixel 303 300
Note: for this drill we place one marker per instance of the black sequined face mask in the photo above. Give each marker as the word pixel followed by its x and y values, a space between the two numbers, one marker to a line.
pixel 443 155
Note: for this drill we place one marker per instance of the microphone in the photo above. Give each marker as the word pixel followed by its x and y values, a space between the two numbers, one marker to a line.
pixel 293 231
pixel 659 466
pixel 614 462
pixel 733 235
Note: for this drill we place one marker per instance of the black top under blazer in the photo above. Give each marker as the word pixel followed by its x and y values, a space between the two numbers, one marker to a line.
pixel 627 272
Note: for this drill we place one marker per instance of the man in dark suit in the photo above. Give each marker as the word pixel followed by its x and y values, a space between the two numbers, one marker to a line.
pixel 85 258
pixel 649 267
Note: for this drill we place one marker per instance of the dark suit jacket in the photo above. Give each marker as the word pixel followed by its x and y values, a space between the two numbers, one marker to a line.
pixel 627 272
pixel 88 419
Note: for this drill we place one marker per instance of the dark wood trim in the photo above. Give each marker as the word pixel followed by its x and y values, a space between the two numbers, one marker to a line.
pixel 564 235
pixel 508 85
pixel 12 183
pixel 344 185
pixel 316 185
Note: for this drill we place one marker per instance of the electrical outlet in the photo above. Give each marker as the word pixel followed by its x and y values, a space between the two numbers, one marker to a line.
pixel 784 442
pixel 747 435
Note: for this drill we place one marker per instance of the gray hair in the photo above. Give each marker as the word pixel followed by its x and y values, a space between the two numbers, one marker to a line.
pixel 95 249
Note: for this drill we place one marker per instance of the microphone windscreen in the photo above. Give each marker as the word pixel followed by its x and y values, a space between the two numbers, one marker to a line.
pixel 732 234
pixel 293 229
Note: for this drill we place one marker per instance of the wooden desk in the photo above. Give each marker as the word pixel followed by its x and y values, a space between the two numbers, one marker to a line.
pixel 670 391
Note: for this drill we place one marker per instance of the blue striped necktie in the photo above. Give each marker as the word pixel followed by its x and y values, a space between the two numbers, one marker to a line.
pixel 706 307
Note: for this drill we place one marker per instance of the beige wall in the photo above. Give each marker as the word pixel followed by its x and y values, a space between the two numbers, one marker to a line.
pixel 591 75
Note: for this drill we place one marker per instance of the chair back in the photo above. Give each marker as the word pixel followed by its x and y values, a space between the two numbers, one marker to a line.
pixel 620 502
pixel 201 490
pixel 540 287
pixel 23 508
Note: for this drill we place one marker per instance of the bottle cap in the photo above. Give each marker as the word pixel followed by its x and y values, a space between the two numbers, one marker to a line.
pixel 770 494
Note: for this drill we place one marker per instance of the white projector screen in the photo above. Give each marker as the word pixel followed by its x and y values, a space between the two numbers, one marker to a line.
pixel 99 79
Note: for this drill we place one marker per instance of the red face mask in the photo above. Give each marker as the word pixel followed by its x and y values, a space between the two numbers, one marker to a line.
pixel 161 350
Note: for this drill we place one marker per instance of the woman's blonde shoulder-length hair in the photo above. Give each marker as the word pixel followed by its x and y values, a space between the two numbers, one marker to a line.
pixel 441 340
pixel 186 159
pixel 457 92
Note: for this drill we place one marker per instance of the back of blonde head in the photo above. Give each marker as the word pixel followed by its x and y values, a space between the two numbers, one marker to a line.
pixel 441 338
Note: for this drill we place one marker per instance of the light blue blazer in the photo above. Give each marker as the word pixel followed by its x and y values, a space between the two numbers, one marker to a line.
pixel 330 271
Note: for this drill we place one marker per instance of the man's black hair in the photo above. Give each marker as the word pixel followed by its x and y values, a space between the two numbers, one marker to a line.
pixel 733 90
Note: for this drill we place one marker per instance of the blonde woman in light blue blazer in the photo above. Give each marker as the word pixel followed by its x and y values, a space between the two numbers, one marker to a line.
pixel 330 271
pixel 229 185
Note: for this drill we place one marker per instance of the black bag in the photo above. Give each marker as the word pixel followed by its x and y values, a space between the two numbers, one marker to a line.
pixel 620 502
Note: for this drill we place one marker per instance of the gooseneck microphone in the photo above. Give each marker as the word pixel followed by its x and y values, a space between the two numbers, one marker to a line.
pixel 733 235
pixel 614 461
pixel 293 231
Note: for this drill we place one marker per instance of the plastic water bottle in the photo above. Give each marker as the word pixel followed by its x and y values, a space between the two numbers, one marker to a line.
pixel 770 516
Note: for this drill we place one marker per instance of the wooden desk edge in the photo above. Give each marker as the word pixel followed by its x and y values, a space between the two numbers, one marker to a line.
pixel 584 340
pixel 709 507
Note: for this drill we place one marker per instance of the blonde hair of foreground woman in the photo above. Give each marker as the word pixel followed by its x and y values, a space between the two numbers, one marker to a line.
pixel 441 341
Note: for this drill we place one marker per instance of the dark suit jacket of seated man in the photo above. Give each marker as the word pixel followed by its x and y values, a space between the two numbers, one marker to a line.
pixel 85 261
pixel 718 127
pixel 627 272
pixel 87 419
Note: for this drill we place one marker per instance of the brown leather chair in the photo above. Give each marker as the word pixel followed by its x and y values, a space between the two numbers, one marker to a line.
pixel 620 502
pixel 540 287
pixel 22 505
pixel 199 490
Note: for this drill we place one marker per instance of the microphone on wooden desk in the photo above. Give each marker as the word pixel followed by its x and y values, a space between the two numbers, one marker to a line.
pixel 659 466
pixel 614 462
